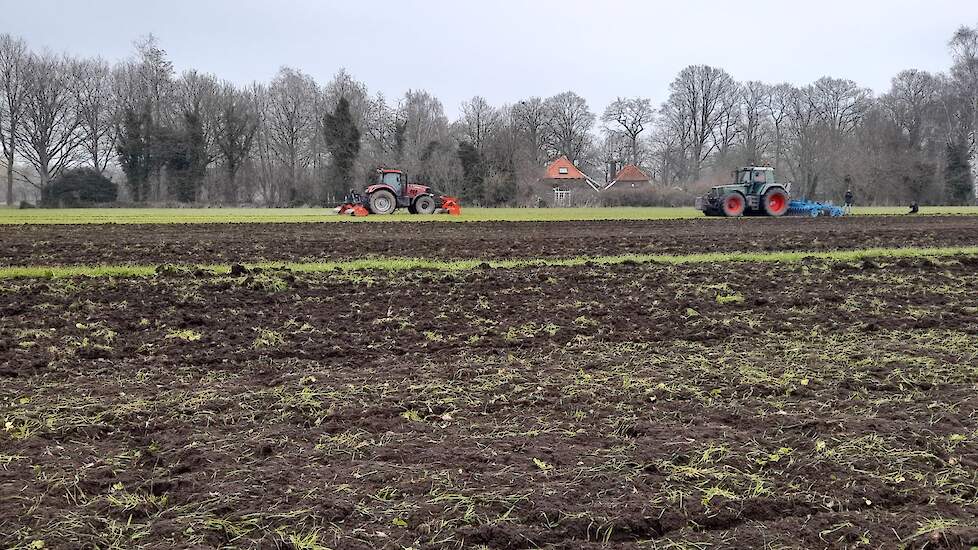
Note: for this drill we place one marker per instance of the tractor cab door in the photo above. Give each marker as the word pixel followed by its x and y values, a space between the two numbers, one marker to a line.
pixel 395 180
pixel 758 180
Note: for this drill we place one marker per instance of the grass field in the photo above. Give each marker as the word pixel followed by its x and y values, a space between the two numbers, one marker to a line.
pixel 412 264
pixel 297 215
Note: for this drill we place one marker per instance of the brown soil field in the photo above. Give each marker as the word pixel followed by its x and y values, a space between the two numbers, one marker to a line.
pixel 797 405
pixel 214 243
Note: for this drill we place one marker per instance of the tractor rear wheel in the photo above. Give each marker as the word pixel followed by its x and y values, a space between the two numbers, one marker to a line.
pixel 733 205
pixel 382 202
pixel 775 203
pixel 425 204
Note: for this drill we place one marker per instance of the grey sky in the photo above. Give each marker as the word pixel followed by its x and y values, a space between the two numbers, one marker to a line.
pixel 508 49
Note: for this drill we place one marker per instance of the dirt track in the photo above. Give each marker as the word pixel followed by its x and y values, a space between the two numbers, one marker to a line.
pixel 212 243
pixel 806 405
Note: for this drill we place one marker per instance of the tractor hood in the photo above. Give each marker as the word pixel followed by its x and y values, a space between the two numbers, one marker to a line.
pixel 718 190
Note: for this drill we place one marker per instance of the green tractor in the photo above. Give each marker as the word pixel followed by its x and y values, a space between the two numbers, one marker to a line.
pixel 754 192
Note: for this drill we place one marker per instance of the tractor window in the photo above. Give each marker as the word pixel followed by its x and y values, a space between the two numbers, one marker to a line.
pixel 393 179
pixel 744 177
pixel 760 176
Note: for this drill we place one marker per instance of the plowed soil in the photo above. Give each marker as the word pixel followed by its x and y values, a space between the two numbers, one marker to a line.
pixel 805 405
pixel 213 243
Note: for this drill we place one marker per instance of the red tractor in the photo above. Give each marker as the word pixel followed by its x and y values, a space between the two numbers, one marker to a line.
pixel 391 191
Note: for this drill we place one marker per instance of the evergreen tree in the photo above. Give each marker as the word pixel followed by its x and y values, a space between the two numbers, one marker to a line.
pixel 473 173
pixel 343 141
pixel 959 182
pixel 134 153
pixel 196 151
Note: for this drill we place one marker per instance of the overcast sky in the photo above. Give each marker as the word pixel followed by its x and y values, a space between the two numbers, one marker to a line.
pixel 510 49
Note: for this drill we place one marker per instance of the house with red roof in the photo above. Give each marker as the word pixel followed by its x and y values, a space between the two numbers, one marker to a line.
pixel 629 177
pixel 569 185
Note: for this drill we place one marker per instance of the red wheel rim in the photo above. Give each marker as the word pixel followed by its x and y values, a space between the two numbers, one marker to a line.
pixel 734 205
pixel 776 203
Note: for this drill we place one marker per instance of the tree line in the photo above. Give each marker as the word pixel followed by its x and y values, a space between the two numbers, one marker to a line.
pixel 193 138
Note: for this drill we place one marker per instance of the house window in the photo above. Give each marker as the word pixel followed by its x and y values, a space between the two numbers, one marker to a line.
pixel 562 170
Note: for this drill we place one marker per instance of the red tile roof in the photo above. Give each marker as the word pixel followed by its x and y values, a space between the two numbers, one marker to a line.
pixel 572 173
pixel 630 172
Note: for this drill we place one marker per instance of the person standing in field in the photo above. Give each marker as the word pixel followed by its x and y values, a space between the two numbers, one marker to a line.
pixel 849 200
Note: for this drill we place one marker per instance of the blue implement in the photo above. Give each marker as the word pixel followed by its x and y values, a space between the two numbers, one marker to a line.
pixel 801 207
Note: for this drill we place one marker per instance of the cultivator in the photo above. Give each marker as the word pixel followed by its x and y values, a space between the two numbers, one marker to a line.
pixel 814 209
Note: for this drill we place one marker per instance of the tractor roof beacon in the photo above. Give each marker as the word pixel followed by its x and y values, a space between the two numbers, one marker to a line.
pixel 390 191
pixel 755 191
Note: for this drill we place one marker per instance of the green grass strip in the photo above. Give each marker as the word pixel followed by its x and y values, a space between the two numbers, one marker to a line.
pixel 40 216
pixel 408 264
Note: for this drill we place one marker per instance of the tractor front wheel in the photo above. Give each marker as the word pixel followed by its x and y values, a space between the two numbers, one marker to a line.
pixel 733 205
pixel 775 203
pixel 382 202
pixel 425 204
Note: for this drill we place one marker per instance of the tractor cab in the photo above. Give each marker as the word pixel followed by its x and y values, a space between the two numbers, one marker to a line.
pixel 395 179
pixel 396 183
pixel 752 177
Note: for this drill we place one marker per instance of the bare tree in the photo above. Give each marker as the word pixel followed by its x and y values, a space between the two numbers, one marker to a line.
pixel 96 111
pixel 778 104
pixel 839 103
pixel 728 125
pixel 699 101
pixel 428 151
pixel 49 136
pixel 235 127
pixel 614 148
pixel 667 154
pixel 911 103
pixel 755 97
pixel 630 117
pixel 568 126
pixel 383 133
pixel 291 124
pixel 479 121
pixel 531 118
pixel 425 123
pixel 13 58
pixel 262 158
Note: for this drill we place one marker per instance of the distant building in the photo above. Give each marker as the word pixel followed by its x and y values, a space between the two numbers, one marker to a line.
pixel 630 177
pixel 569 185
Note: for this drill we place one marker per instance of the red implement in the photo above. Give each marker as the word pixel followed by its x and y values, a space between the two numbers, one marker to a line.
pixel 353 209
pixel 451 206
